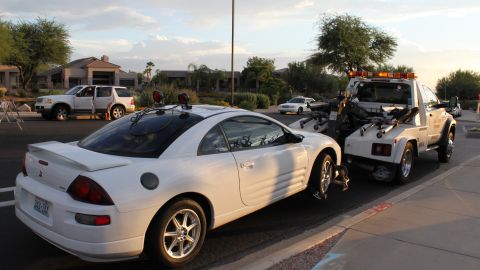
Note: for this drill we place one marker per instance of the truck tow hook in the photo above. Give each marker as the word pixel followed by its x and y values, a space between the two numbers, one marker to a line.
pixel 342 177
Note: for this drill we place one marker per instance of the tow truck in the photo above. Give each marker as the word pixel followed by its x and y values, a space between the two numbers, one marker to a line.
pixel 383 121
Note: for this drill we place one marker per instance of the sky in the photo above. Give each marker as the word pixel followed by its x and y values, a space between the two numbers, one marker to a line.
pixel 435 37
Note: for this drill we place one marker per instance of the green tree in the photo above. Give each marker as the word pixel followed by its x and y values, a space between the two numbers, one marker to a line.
pixel 148 71
pixel 5 41
pixel 462 83
pixel 277 89
pixel 259 70
pixel 312 80
pixel 36 43
pixel 296 76
pixel 347 43
pixel 389 68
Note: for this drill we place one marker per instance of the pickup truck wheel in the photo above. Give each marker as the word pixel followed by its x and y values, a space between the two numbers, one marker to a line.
pixel 445 151
pixel 117 112
pixel 404 170
pixel 60 112
pixel 176 235
pixel 300 110
pixel 322 175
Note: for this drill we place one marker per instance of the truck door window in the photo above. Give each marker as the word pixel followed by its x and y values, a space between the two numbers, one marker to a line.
pixel 429 98
pixel 104 91
pixel 87 92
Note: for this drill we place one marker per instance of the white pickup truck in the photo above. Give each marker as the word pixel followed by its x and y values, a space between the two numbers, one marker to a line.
pixel 86 99
pixel 387 119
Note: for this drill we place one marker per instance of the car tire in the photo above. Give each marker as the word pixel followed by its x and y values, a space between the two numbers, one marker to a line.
pixel 322 175
pixel 282 112
pixel 300 110
pixel 171 232
pixel 445 151
pixel 117 112
pixel 60 112
pixel 404 169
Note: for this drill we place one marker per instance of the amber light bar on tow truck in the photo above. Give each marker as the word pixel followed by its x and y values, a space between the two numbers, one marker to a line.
pixel 389 75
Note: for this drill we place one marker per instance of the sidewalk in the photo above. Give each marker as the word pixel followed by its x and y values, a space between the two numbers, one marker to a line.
pixel 437 227
pixel 433 225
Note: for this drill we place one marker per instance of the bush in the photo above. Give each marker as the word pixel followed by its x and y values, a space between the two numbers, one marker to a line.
pixel 214 101
pixel 247 105
pixel 263 101
pixel 3 91
pixel 250 97
pixel 145 97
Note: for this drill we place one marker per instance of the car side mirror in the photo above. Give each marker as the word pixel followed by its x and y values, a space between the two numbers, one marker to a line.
pixel 453 102
pixel 294 138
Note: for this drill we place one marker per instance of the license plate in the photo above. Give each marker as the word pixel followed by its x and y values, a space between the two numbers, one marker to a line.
pixel 41 206
pixel 333 115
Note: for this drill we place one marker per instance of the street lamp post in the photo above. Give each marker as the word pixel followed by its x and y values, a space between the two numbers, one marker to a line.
pixel 231 60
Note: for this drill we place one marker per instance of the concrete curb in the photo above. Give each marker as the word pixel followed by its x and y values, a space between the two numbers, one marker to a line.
pixel 285 249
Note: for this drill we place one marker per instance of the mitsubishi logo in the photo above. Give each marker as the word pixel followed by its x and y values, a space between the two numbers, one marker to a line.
pixel 40 174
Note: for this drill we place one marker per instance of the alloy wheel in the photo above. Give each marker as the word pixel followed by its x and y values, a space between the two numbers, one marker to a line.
pixel 182 233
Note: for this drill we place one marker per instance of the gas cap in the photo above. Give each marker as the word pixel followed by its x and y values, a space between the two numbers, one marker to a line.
pixel 149 181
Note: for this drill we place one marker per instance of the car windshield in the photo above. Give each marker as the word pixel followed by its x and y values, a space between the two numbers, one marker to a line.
pixel 383 92
pixel 74 90
pixel 296 100
pixel 148 137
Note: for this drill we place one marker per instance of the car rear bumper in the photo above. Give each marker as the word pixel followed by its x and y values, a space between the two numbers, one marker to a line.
pixel 122 239
pixel 94 252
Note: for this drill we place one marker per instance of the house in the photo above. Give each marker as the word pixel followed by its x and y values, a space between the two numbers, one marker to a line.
pixel 90 70
pixel 9 77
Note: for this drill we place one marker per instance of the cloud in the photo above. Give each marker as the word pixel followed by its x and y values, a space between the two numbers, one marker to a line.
pixel 81 15
pixel 175 52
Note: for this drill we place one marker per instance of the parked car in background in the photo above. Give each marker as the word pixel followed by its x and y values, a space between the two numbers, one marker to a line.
pixel 86 99
pixel 296 105
pixel 156 181
pixel 455 111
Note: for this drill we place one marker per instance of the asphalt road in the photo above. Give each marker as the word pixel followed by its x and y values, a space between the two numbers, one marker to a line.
pixel 22 249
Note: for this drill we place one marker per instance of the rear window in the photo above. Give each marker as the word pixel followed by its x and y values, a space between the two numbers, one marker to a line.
pixel 123 92
pixel 148 137
pixel 381 92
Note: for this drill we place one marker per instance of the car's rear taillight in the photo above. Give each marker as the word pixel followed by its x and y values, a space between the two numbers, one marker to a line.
pixel 132 102
pixel 380 149
pixel 86 190
pixel 24 167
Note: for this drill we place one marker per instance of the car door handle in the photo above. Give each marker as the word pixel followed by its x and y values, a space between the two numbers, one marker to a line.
pixel 247 165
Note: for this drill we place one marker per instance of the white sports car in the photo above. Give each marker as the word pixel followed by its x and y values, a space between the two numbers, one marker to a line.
pixel 158 180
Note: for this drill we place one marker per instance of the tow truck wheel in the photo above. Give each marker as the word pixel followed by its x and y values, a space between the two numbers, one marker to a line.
pixel 445 151
pixel 404 170
pixel 322 175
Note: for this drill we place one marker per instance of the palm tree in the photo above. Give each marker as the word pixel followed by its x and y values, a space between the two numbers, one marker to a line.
pixel 148 70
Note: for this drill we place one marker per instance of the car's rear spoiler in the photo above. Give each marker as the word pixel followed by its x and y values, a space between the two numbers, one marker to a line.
pixel 86 159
